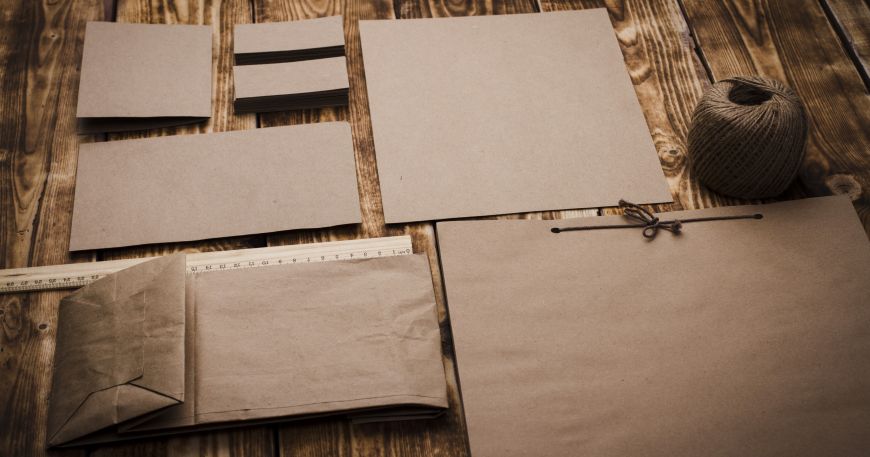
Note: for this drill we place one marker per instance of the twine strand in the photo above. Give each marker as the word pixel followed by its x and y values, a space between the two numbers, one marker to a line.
pixel 643 219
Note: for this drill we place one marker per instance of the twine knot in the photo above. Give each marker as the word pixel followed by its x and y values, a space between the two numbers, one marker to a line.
pixel 650 223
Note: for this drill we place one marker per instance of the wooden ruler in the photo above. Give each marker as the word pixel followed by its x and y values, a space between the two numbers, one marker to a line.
pixel 75 275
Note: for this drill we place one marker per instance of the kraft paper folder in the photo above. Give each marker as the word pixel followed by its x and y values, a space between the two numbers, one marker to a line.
pixel 739 337
pixel 292 85
pixel 147 352
pixel 275 42
pixel 193 187
pixel 477 116
pixel 142 76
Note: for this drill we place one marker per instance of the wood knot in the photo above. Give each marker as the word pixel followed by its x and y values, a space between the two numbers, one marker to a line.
pixel 842 184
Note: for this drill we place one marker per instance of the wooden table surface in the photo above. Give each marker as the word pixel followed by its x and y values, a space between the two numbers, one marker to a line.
pixel 673 49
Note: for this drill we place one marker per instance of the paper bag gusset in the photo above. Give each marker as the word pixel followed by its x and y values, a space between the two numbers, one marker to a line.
pixel 120 349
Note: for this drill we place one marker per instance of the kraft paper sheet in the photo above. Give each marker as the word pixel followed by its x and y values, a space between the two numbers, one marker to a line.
pixel 742 337
pixel 192 187
pixel 490 115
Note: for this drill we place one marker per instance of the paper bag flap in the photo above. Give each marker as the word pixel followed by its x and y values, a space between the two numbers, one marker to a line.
pixel 120 349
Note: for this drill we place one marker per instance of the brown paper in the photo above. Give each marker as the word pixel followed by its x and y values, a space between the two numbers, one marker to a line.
pixel 296 341
pixel 293 85
pixel 137 76
pixel 742 337
pixel 501 114
pixel 288 41
pixel 120 351
pixel 192 187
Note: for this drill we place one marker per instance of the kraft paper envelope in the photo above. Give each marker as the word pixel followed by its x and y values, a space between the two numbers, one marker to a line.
pixel 192 187
pixel 288 41
pixel 489 115
pixel 139 76
pixel 120 351
pixel 293 85
pixel 741 337
pixel 288 342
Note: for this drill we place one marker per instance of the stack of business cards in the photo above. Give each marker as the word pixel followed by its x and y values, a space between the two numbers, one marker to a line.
pixel 291 85
pixel 288 41
pixel 290 65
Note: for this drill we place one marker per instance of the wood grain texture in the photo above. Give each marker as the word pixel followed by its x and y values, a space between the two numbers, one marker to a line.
pixel 40 47
pixel 851 19
pixel 40 51
pixel 794 43
pixel 413 9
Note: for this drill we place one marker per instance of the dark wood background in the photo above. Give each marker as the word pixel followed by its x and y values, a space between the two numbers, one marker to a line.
pixel 673 49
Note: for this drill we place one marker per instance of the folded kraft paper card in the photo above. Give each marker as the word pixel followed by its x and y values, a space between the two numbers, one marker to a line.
pixel 142 76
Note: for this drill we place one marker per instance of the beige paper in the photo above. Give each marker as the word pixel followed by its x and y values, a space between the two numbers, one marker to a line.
pixel 192 187
pixel 292 85
pixel 501 114
pixel 120 351
pixel 743 337
pixel 288 41
pixel 144 75
pixel 296 341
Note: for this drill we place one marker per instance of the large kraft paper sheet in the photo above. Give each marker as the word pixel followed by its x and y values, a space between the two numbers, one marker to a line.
pixel 490 115
pixel 743 337
pixel 193 187
pixel 259 345
pixel 138 76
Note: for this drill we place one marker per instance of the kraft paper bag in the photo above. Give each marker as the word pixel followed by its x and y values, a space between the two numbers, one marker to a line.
pixel 477 116
pixel 194 187
pixel 356 338
pixel 737 337
pixel 274 42
pixel 120 351
pixel 292 85
pixel 140 76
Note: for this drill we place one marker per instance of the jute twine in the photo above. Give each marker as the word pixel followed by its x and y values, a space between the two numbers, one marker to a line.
pixel 748 137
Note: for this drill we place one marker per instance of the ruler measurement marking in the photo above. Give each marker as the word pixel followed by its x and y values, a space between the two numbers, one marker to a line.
pixel 54 277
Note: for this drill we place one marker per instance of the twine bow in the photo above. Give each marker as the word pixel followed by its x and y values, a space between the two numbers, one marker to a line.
pixel 651 224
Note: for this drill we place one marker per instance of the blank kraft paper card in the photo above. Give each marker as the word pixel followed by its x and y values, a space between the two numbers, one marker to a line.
pixel 193 187
pixel 492 115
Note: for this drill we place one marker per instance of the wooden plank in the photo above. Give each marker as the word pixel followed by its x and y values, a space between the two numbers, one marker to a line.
pixel 668 79
pixel 794 43
pixel 851 19
pixel 412 9
pixel 255 441
pixel 40 47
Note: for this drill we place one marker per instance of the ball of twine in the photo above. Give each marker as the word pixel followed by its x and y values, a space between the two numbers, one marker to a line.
pixel 748 137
